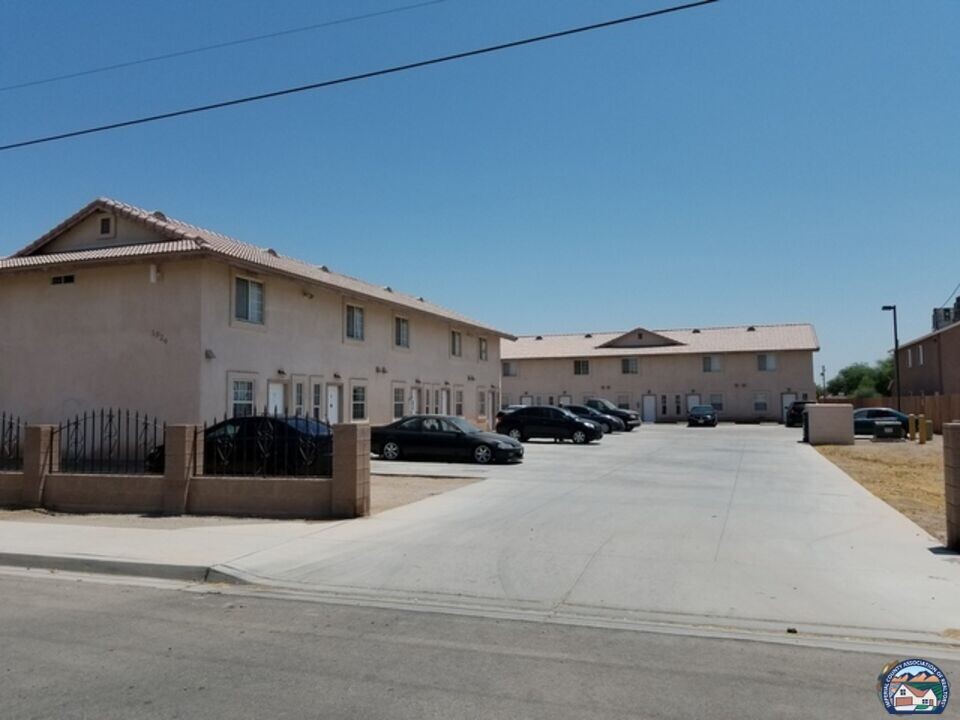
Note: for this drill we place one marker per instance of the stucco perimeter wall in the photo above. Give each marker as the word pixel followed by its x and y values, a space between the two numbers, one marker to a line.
pixel 260 497
pixel 303 335
pixel 111 338
pixel 11 488
pixel 738 381
pixel 103 493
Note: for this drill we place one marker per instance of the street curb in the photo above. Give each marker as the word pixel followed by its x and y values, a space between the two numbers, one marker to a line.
pixel 109 566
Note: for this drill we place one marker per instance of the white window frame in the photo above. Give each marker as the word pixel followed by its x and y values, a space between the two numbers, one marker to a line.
pixel 766 362
pixel 581 367
pixel 400 403
pixel 299 396
pixel 235 402
pixel 458 401
pixel 248 310
pixel 481 403
pixel 710 363
pixel 482 353
pixel 761 397
pixel 318 400
pixel 354 331
pixel 456 343
pixel 509 368
pixel 355 403
pixel 630 366
pixel 111 226
pixel 401 332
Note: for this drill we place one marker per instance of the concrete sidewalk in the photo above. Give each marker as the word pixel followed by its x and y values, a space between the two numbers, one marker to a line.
pixel 733 527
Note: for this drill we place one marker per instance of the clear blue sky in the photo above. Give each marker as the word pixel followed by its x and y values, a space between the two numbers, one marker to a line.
pixel 748 162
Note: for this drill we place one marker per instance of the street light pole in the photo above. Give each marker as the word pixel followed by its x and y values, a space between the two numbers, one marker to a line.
pixel 896 351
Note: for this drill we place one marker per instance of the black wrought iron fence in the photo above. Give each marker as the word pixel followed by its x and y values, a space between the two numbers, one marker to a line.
pixel 11 442
pixel 267 445
pixel 108 441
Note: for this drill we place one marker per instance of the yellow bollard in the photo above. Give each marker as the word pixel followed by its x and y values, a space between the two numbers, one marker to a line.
pixel 922 422
pixel 912 427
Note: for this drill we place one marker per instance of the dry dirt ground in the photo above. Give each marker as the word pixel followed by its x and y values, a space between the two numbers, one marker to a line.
pixel 386 491
pixel 906 475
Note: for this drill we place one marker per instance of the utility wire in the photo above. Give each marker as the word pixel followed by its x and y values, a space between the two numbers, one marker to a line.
pixel 218 46
pixel 951 296
pixel 361 76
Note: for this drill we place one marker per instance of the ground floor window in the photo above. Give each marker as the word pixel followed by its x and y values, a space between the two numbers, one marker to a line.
pixel 458 403
pixel 717 402
pixel 676 402
pixel 506 399
pixel 566 400
pixel 298 399
pixel 317 400
pixel 359 411
pixel 481 403
pixel 399 403
pixel 242 398
pixel 663 404
pixel 623 402
pixel 760 402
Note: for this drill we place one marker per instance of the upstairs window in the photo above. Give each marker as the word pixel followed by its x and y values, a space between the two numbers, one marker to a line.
pixel 920 355
pixel 401 332
pixel 711 363
pixel 581 367
pixel 248 305
pixel 766 362
pixel 106 226
pixel 509 368
pixel 456 343
pixel 629 366
pixel 354 322
pixel 482 348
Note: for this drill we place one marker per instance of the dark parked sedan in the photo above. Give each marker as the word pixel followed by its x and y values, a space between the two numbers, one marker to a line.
pixel 630 418
pixel 607 423
pixel 546 421
pixel 262 445
pixel 795 412
pixel 702 415
pixel 442 437
pixel 864 418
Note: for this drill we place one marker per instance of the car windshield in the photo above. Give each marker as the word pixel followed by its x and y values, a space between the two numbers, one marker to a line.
pixel 700 409
pixel 462 425
pixel 606 403
pixel 308 426
pixel 569 414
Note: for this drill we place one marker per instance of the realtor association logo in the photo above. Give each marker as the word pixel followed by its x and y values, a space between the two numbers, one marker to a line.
pixel 914 686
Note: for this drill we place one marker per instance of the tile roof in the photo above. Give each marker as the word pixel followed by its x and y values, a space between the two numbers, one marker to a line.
pixel 183 238
pixel 762 338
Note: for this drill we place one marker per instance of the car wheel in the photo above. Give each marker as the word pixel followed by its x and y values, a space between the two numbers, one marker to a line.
pixel 482 454
pixel 605 427
pixel 579 437
pixel 390 451
pixel 515 434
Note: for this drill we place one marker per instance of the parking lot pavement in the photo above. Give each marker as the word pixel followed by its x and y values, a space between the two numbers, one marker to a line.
pixel 724 526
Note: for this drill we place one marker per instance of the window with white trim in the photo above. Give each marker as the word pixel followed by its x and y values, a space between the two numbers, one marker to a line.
pixel 242 395
pixel 359 402
pixel 766 362
pixel 399 403
pixel 401 332
pixel 760 402
pixel 354 322
pixel 509 368
pixel 248 300
pixel 482 348
pixel 458 403
pixel 456 343
pixel 481 403
pixel 298 398
pixel 581 367
pixel 317 401
pixel 711 363
pixel 629 366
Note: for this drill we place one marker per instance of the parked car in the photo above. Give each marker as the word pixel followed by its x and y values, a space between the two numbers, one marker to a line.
pixel 630 418
pixel 442 437
pixel 506 410
pixel 794 416
pixel 262 445
pixel 702 415
pixel 864 418
pixel 546 421
pixel 607 423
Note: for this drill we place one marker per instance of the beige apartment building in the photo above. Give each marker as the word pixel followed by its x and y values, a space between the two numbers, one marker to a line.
pixel 123 307
pixel 748 373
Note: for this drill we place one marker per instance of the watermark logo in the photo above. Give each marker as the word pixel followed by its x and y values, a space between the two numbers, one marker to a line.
pixel 913 686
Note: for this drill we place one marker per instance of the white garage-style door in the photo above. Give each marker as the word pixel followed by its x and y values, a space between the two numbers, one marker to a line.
pixel 649 408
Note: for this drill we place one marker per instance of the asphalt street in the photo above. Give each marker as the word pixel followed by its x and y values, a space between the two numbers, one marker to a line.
pixel 80 649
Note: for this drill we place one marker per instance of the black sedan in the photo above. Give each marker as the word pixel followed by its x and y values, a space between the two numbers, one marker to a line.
pixel 630 418
pixel 864 419
pixel 441 437
pixel 546 421
pixel 702 415
pixel 262 445
pixel 607 423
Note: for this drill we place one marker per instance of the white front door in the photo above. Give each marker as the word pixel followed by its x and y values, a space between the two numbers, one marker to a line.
pixel 275 398
pixel 692 400
pixel 785 401
pixel 445 402
pixel 649 408
pixel 333 404
pixel 415 401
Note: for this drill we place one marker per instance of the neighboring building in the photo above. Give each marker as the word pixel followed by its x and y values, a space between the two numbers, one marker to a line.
pixel 930 364
pixel 122 307
pixel 746 373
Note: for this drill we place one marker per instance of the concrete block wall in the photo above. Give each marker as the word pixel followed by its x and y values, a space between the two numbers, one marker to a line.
pixel 351 471
pixel 830 424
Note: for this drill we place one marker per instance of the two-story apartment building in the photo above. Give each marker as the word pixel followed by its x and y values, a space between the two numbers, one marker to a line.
pixel 747 373
pixel 122 307
pixel 930 364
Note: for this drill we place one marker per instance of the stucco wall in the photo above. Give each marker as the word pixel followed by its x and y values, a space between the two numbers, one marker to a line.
pixel 940 371
pixel 737 381
pixel 303 335
pixel 112 338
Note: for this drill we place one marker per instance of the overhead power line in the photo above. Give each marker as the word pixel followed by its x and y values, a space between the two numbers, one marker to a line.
pixel 953 294
pixel 218 46
pixel 360 76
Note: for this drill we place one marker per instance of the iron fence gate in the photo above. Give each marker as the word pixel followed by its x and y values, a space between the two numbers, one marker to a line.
pixel 108 441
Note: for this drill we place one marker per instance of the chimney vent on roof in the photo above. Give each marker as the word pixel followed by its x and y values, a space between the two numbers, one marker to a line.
pixel 158 215
pixel 539 337
pixel 588 335
pixel 751 329
pixel 271 251
pixel 420 298
pixel 388 288
pixel 324 268
pixel 696 331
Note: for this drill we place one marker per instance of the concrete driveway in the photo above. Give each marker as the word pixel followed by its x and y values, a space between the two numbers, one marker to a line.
pixel 729 527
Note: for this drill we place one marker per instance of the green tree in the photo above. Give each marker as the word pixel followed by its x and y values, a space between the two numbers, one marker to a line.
pixel 863 380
